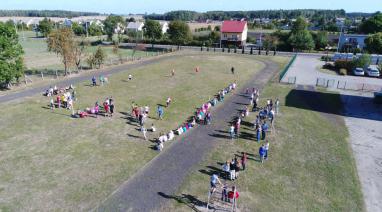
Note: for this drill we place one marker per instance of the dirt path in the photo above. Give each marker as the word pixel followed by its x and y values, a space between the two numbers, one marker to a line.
pixel 149 189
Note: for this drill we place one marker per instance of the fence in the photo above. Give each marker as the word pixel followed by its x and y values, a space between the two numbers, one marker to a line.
pixel 347 85
pixel 282 74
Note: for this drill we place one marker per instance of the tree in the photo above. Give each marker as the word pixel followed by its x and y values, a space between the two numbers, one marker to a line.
pixel 179 32
pixel 300 38
pixel 363 61
pixel 78 29
pixel 321 39
pixel 374 43
pixel 79 49
pixel 112 22
pixel 270 42
pixel 45 26
pixel 99 57
pixel 152 30
pixel 95 30
pixel 217 28
pixel 11 61
pixel 372 25
pixel 61 42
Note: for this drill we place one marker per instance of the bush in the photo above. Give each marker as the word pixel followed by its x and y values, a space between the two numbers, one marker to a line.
pixel 343 71
pixel 344 64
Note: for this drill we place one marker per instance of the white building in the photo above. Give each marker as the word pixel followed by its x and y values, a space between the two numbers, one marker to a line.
pixel 135 26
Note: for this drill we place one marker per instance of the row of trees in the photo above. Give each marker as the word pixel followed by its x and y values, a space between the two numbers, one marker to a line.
pixel 185 15
pixel 45 13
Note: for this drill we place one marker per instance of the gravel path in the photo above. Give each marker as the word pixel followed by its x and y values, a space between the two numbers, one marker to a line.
pixel 146 190
pixel 83 77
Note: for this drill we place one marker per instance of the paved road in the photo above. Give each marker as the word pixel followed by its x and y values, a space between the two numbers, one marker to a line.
pixel 165 173
pixel 305 69
pixel 82 77
pixel 364 121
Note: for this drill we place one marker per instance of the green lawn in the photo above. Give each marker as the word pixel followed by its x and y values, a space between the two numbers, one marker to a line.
pixel 37 56
pixel 50 161
pixel 310 166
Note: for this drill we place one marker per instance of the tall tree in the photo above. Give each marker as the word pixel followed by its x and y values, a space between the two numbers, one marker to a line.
pixel 95 30
pixel 61 42
pixel 99 57
pixel 300 38
pixel 270 42
pixel 152 30
pixel 321 39
pixel 374 43
pixel 11 61
pixel 112 22
pixel 179 32
pixel 45 26
pixel 372 25
pixel 78 29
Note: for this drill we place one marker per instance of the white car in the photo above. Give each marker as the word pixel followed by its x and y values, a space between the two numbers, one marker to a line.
pixel 373 72
pixel 358 72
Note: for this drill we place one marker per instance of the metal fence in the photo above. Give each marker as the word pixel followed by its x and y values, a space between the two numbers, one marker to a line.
pixel 282 74
pixel 347 85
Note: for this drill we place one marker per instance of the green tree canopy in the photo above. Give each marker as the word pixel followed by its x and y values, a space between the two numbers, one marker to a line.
pixel 152 30
pixel 321 39
pixel 11 61
pixel 78 29
pixel 372 25
pixel 363 61
pixel 179 32
pixel 299 25
pixel 45 26
pixel 374 43
pixel 300 38
pixel 95 30
pixel 111 23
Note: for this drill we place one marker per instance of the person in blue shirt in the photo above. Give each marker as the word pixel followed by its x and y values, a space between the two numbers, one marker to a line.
pixel 258 133
pixel 160 112
pixel 214 180
pixel 264 128
pixel 262 153
pixel 94 81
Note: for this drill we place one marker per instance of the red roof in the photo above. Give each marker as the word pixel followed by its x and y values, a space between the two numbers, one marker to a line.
pixel 233 26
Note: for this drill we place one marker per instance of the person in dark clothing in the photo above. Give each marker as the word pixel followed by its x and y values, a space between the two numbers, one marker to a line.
pixel 94 80
pixel 233 70
pixel 237 167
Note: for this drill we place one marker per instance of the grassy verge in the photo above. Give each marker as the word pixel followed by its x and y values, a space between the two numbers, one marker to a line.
pixel 310 168
pixel 50 161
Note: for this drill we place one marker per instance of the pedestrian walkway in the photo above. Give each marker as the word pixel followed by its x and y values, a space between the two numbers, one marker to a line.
pixel 161 178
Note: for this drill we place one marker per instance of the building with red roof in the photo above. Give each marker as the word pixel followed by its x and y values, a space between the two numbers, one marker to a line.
pixel 234 33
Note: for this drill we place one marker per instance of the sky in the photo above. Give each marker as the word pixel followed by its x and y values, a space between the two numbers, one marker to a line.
pixel 161 6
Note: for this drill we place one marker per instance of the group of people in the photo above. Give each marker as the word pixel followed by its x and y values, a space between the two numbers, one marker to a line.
pixel 63 100
pixel 102 80
pixel 107 109
pixel 202 116
pixel 231 168
pixel 51 91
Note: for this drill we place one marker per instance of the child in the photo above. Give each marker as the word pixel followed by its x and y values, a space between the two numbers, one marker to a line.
pixel 225 193
pixel 168 101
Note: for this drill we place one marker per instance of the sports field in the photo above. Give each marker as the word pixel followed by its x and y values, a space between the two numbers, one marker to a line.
pixel 50 161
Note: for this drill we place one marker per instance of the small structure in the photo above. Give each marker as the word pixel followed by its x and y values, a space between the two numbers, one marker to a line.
pixel 164 26
pixel 233 33
pixel 135 26
pixel 348 42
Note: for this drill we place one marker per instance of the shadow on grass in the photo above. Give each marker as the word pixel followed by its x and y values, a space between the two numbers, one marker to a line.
pixel 216 135
pixel 134 136
pixel 189 200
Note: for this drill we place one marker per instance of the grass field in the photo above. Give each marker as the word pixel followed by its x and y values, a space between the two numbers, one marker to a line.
pixel 310 166
pixel 50 161
pixel 37 56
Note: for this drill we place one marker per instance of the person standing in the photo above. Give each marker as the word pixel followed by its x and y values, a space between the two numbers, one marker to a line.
pixel 266 148
pixel 244 159
pixel 160 112
pixel 237 167
pixel 277 104
pixel 232 131
pixel 144 131
pixel 214 180
pixel 232 170
pixel 168 101
pixel 226 170
pixel 51 104
pixel 262 153
pixel 94 81
pixel 232 70
pixel 111 102
pixel 258 133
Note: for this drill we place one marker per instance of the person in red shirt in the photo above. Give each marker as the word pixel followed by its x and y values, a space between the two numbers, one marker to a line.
pixel 233 195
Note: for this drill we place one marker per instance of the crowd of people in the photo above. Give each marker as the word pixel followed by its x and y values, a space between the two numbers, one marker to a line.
pixel 202 116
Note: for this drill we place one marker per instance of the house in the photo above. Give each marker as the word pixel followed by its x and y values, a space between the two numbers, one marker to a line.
pixel 349 42
pixel 164 26
pixel 233 33
pixel 135 26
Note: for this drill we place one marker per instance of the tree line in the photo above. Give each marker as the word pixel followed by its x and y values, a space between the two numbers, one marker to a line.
pixel 45 13
pixel 185 15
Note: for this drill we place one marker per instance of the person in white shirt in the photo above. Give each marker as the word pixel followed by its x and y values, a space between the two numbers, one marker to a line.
pixel 153 128
pixel 266 147
pixel 171 135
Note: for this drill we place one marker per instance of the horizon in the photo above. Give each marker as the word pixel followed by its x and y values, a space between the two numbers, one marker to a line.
pixel 154 7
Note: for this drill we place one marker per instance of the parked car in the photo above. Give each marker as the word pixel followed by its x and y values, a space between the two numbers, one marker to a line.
pixel 373 71
pixel 359 72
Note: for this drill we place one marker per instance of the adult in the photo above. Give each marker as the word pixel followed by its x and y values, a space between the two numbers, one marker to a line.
pixel 232 131
pixel 264 129
pixel 144 131
pixel 262 153
pixel 258 133
pixel 94 81
pixel 232 70
pixel 226 170
pixel 168 101
pixel 277 105
pixel 244 159
pixel 111 105
pixel 266 148
pixel 214 180
pixel 232 170
pixel 160 112
pixel 237 167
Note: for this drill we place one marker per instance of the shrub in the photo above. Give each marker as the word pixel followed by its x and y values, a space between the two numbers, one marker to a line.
pixel 344 64
pixel 343 71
